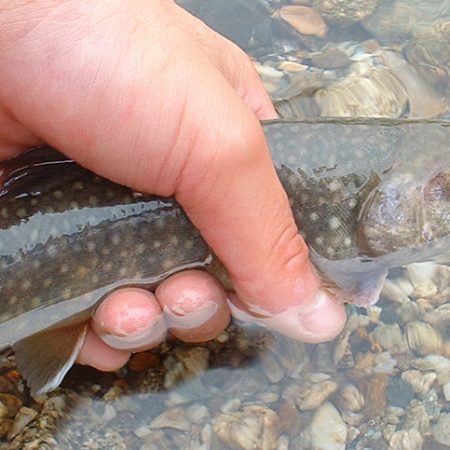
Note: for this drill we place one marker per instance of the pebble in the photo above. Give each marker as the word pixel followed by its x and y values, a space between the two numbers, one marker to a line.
pixel 390 337
pixel 289 418
pixel 11 403
pixel 424 338
pixel 375 395
pixel 406 440
pixel 446 390
pixel 139 362
pixel 22 419
pixel 317 394
pixel 350 398
pixel 417 417
pixel 421 383
pixel 175 418
pixel 441 429
pixel 327 430
pixel 304 19
pixel 253 427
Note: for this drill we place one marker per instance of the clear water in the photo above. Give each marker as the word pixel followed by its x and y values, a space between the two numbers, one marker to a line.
pixel 251 388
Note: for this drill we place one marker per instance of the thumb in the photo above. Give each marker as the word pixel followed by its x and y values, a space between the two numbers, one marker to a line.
pixel 241 209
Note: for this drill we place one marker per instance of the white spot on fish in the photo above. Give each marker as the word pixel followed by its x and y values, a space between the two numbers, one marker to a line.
pixel 47 282
pixel 334 185
pixel 21 213
pixel 334 223
pixel 93 200
pixel 140 249
pixel 26 284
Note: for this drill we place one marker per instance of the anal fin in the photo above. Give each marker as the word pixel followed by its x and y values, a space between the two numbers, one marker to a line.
pixel 46 357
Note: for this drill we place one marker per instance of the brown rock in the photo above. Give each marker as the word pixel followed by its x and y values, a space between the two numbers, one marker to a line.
pixel 374 390
pixel 289 420
pixel 12 404
pixel 141 362
pixel 304 19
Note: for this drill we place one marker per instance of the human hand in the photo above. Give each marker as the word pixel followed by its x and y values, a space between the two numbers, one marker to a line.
pixel 146 95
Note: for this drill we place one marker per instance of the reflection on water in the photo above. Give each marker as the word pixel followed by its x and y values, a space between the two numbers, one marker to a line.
pixel 385 382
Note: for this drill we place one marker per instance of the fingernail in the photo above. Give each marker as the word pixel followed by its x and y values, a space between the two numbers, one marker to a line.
pixel 190 319
pixel 142 339
pixel 325 319
pixel 322 321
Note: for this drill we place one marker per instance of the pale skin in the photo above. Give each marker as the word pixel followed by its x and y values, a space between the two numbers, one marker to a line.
pixel 146 95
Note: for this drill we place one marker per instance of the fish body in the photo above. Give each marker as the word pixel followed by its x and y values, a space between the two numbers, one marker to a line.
pixel 367 195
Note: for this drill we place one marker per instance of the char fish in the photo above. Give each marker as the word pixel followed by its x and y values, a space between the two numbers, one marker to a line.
pixel 367 195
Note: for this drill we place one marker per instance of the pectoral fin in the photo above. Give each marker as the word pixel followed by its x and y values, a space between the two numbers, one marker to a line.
pixel 358 280
pixel 45 358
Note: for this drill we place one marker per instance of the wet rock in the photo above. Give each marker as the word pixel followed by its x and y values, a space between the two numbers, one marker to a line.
pixel 397 290
pixel 254 426
pixel 289 418
pixel 384 95
pixel 195 359
pixel 140 362
pixel 446 391
pixel 272 368
pixel 436 363
pixel 350 398
pixel 423 338
pixel 374 390
pixel 417 417
pixel 441 429
pixel 421 276
pixel 327 430
pixel 384 363
pixel 317 394
pixel 393 414
pixel 406 440
pixel 343 356
pixel 439 317
pixel 303 19
pixel 22 419
pixel 421 383
pixel 391 22
pixel 390 337
pixel 10 405
pixel 175 418
pixel 432 404
pixel 323 358
pixel 345 12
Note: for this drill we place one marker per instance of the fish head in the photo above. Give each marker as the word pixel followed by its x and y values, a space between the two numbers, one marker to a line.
pixel 406 210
